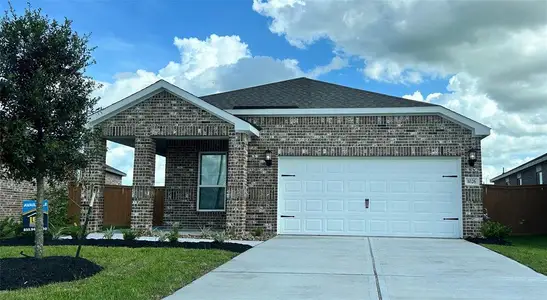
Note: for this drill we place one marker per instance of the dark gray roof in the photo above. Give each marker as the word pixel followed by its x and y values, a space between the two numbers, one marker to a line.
pixel 305 93
pixel 112 170
pixel 524 166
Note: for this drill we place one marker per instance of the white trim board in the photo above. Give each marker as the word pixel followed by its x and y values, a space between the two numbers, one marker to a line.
pixel 162 85
pixel 478 129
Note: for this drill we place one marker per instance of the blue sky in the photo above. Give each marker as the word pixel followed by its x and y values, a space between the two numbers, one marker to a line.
pixel 489 67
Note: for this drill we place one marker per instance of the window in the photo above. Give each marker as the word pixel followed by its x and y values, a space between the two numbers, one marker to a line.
pixel 539 177
pixel 507 181
pixel 212 181
pixel 519 179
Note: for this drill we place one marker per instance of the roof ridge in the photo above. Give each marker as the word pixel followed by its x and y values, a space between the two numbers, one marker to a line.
pixel 255 86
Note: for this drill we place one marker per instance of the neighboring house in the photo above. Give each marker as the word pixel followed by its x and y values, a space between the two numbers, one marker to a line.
pixel 13 193
pixel 532 172
pixel 113 176
pixel 299 157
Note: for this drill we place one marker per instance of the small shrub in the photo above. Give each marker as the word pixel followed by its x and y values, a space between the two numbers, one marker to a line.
pixel 206 232
pixel 130 234
pixel 219 236
pixel 74 231
pixel 495 230
pixel 109 233
pixel 56 231
pixel 161 235
pixel 173 235
pixel 258 231
pixel 9 228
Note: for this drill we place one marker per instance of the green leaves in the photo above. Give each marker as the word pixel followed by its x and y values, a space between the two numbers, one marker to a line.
pixel 45 97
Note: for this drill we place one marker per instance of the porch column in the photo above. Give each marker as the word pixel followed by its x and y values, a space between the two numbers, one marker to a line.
pixel 237 194
pixel 92 177
pixel 144 170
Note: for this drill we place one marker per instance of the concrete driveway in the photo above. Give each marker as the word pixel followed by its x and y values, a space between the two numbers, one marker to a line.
pixel 367 268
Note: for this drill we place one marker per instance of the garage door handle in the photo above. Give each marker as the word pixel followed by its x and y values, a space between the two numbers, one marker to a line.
pixel 284 216
pixel 451 219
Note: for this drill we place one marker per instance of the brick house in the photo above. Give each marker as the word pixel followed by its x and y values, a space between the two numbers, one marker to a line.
pixel 299 157
pixel 12 193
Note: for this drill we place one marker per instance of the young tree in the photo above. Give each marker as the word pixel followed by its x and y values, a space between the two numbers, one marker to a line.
pixel 45 102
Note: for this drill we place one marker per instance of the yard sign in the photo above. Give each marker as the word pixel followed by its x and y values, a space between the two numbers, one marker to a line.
pixel 29 215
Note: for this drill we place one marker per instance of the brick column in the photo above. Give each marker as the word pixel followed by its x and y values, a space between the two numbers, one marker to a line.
pixel 237 193
pixel 144 170
pixel 93 177
pixel 472 195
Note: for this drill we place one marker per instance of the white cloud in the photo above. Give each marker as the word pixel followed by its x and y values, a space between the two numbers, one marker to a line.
pixel 501 42
pixel 516 137
pixel 419 97
pixel 215 64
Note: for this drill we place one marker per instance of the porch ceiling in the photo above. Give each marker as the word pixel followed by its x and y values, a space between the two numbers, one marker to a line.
pixel 161 142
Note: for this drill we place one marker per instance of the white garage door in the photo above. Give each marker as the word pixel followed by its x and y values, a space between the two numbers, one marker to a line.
pixel 413 197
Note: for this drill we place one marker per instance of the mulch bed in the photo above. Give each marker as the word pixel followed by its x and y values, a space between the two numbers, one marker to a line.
pixel 26 272
pixel 26 241
pixel 489 241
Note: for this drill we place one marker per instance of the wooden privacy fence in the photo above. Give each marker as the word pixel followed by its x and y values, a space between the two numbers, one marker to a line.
pixel 522 208
pixel 117 205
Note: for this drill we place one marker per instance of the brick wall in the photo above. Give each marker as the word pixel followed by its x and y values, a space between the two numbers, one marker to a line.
pixel 354 136
pixel 181 184
pixel 112 179
pixel 11 196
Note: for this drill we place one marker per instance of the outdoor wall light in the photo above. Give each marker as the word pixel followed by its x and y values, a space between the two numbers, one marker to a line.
pixel 268 158
pixel 472 157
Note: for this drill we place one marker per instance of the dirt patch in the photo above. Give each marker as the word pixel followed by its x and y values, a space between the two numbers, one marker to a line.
pixel 491 241
pixel 26 272
pixel 25 241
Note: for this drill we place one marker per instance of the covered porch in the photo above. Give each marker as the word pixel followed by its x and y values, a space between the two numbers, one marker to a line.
pixel 206 153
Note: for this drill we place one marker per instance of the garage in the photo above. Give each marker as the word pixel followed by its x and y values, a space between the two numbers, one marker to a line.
pixel 370 196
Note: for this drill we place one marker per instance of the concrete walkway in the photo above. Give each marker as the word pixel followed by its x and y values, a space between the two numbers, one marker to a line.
pixel 367 268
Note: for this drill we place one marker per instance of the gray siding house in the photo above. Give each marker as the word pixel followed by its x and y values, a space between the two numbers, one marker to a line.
pixel 300 157
pixel 530 173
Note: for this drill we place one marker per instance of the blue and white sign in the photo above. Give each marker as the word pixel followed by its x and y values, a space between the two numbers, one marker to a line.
pixel 29 215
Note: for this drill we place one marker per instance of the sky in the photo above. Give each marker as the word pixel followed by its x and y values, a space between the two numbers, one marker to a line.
pixel 484 59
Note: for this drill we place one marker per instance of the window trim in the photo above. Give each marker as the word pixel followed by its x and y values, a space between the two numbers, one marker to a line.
pixel 539 177
pixel 208 185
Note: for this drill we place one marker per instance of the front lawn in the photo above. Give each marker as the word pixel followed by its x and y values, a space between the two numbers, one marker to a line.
pixel 129 273
pixel 528 250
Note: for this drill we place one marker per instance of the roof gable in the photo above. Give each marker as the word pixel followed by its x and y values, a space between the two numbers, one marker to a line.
pixel 160 86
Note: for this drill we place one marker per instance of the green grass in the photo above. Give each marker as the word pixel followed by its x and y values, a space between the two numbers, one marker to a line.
pixel 528 250
pixel 142 273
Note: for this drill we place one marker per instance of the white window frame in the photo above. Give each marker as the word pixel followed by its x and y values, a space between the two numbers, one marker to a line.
pixel 539 175
pixel 519 179
pixel 208 185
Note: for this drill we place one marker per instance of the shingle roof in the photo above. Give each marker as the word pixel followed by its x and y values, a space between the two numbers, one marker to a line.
pixel 306 93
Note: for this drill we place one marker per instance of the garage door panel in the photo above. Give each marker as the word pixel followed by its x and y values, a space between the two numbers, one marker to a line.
pixel 408 196
pixel 335 205
pixel 314 225
pixel 314 205
pixel 315 186
pixel 335 225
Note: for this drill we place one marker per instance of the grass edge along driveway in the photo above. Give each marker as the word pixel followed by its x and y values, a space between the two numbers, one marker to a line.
pixel 129 273
pixel 527 250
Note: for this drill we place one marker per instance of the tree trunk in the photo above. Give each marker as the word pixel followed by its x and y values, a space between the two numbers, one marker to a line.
pixel 39 233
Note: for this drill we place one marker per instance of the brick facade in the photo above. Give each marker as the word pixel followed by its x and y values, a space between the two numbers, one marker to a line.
pixel 11 195
pixel 355 136
pixel 181 184
pixel 112 179
pixel 252 186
